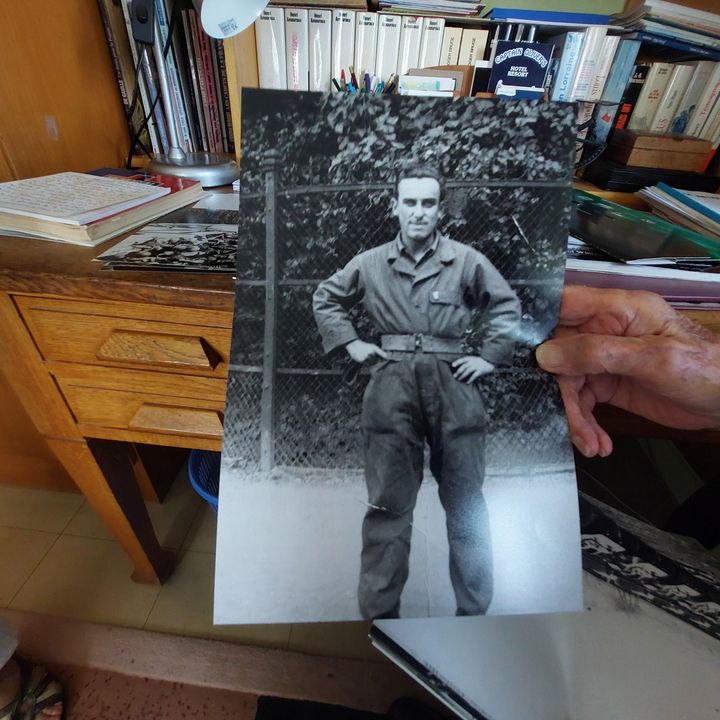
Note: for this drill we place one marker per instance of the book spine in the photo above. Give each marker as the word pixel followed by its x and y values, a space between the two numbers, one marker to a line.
pixel 602 67
pixel 225 93
pixel 673 43
pixel 194 79
pixel 585 112
pixel 649 98
pixel 450 51
pixel 562 85
pixel 343 42
pixel 320 49
pixel 472 47
pixel 530 16
pixel 150 73
pixel 700 78
pixel 587 62
pixel 366 30
pixel 218 92
pixel 389 28
pixel 674 91
pixel 202 79
pixel 690 201
pixel 410 39
pixel 296 49
pixel 213 111
pixel 431 45
pixel 177 100
pixel 705 103
pixel 270 45
pixel 630 96
pixel 680 33
pixel 152 127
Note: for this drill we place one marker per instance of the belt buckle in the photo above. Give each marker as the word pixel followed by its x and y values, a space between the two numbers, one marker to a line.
pixel 418 342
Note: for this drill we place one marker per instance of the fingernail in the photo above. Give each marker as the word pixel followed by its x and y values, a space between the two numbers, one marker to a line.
pixel 579 443
pixel 548 356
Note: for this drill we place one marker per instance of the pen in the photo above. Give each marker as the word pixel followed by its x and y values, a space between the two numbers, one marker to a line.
pixel 353 79
pixel 380 87
pixel 351 88
pixel 367 82
pixel 342 78
pixel 337 85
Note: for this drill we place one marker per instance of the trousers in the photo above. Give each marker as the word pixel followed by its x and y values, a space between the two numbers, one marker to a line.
pixel 406 404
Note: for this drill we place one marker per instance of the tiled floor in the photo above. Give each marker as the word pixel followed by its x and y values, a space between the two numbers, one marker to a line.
pixel 57 558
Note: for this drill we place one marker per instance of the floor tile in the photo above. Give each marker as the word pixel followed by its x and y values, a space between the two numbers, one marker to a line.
pixel 172 518
pixel 31 509
pixel 338 639
pixel 184 607
pixel 89 579
pixel 203 532
pixel 22 550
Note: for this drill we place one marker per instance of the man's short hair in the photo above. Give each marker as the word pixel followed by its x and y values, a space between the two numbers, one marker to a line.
pixel 419 170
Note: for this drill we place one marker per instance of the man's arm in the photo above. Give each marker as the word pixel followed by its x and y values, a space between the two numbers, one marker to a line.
pixel 332 302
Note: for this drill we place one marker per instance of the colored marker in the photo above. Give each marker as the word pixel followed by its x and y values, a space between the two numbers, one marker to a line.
pixel 353 78
pixel 337 85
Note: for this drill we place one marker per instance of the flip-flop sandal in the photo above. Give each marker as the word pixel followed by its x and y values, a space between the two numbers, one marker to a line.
pixel 38 690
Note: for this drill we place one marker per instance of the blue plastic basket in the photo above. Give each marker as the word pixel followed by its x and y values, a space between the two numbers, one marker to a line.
pixel 204 474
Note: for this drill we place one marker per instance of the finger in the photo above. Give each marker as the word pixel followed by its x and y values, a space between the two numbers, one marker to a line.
pixel 460 361
pixel 616 312
pixel 647 359
pixel 379 352
pixel 463 373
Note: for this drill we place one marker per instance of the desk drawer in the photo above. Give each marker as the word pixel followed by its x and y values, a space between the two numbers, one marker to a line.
pixel 142 401
pixel 120 334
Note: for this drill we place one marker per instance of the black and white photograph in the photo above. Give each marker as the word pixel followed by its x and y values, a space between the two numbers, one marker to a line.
pixel 391 448
pixel 205 247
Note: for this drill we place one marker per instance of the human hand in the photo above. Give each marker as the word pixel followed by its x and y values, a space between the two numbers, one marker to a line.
pixel 471 368
pixel 632 350
pixel 361 351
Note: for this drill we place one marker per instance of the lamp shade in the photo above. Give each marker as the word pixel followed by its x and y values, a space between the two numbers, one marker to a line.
pixel 225 18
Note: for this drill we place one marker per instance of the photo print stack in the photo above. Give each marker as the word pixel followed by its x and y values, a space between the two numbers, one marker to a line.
pixel 391 448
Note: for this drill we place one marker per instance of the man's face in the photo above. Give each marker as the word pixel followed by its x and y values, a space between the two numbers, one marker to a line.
pixel 417 207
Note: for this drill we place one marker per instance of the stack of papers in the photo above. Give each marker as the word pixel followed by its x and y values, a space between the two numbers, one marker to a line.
pixel 693 209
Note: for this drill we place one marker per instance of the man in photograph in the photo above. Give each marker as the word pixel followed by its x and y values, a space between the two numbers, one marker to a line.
pixel 424 293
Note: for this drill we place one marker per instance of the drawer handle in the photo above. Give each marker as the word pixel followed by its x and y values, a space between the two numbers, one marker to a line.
pixel 178 420
pixel 177 351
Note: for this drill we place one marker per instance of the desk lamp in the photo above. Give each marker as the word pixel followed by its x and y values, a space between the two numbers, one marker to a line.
pixel 225 19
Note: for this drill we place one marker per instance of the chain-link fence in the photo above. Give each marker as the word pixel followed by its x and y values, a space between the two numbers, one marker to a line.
pixel 291 404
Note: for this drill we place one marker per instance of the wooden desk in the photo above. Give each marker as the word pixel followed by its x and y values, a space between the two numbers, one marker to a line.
pixel 98 356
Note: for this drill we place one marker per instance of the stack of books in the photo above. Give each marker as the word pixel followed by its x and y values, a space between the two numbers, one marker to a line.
pixel 696 210
pixel 87 209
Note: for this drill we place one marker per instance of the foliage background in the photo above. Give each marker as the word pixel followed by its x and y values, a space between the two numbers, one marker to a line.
pixel 508 169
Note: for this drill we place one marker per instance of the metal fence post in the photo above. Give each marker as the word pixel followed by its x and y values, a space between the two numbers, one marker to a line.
pixel 271 166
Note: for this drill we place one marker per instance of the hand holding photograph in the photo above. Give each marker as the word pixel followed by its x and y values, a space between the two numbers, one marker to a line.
pixel 391 448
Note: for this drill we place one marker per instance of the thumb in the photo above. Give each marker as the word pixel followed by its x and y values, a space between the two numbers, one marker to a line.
pixel 599 354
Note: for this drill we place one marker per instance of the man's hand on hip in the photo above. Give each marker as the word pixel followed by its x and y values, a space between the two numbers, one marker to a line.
pixel 471 368
pixel 361 351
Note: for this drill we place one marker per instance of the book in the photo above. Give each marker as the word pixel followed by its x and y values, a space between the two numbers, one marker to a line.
pixel 320 49
pixel 410 37
pixel 675 44
pixel 450 50
pixel 705 103
pixel 194 77
pixel 524 15
pixel 215 135
pixel 270 45
pixel 431 45
pixel 520 65
pixel 366 32
pixel 472 46
pixel 388 45
pixel 587 63
pixel 631 94
pixel 343 42
pixel 705 203
pixel 701 75
pixel 602 67
pixel 649 97
pixel 607 108
pixel 224 88
pixel 568 46
pixel 674 91
pixel 176 192
pixel 296 48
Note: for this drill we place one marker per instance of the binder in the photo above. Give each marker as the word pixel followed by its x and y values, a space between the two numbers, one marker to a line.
pixel 343 42
pixel 450 51
pixel 410 38
pixel 270 45
pixel 431 44
pixel 388 45
pixel 296 48
pixel 472 46
pixel 366 31
pixel 319 50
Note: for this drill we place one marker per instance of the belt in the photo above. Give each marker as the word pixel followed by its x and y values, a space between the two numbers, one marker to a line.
pixel 421 343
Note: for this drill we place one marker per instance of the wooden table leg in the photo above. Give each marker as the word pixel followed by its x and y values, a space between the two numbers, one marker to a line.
pixel 107 479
